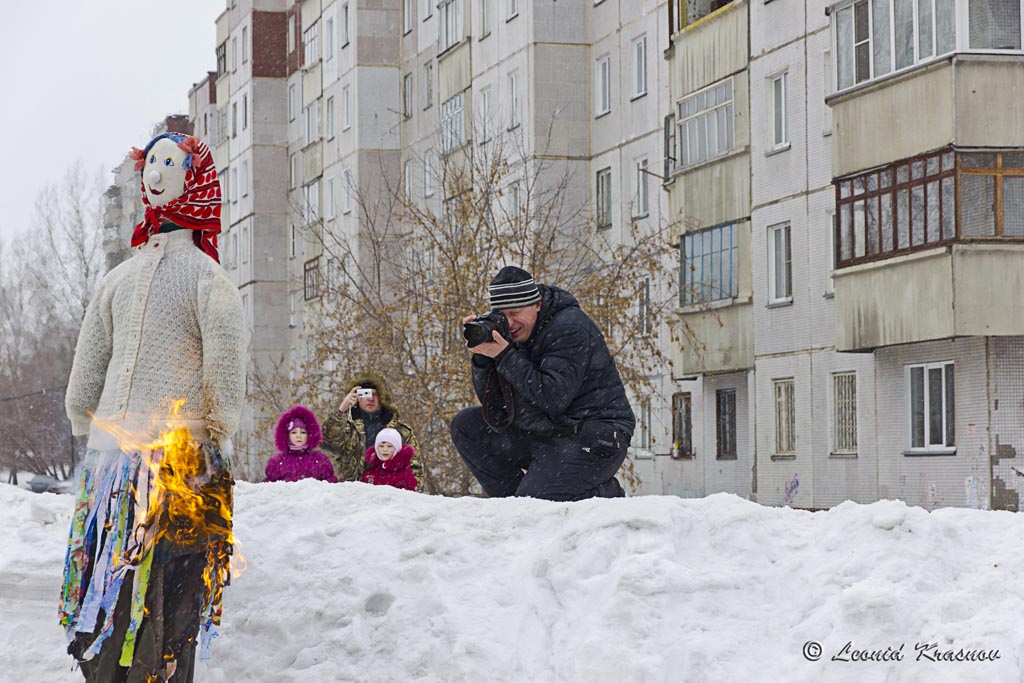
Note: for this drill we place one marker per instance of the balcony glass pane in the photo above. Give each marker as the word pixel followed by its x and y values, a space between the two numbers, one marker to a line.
pixel 977 160
pixel 978 215
pixel 1013 206
pixel 858 229
pixel 950 407
pixel 902 219
pixel 845 225
pixel 924 29
pixel 993 24
pixel 935 395
pixel 886 215
pixel 917 407
pixel 872 226
pixel 917 215
pixel 945 26
pixel 844 48
pixel 1013 160
pixel 948 208
pixel 904 32
pixel 881 44
pixel 932 227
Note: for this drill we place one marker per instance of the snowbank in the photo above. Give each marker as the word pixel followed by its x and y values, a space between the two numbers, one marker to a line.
pixel 350 582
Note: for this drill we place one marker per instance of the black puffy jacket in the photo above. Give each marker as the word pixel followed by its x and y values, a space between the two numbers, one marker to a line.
pixel 561 377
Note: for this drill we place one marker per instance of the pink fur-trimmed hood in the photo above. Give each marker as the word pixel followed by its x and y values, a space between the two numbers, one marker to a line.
pixel 312 427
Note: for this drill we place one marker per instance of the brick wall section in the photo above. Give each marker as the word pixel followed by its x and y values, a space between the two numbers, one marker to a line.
pixel 269 44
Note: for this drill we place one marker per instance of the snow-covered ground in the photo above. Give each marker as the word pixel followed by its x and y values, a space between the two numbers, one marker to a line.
pixel 357 583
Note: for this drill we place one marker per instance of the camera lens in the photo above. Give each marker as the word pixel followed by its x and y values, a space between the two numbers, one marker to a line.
pixel 476 333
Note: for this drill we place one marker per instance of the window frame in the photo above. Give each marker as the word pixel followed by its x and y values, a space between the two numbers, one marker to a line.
pixel 946 368
pixel 699 120
pixel 781 81
pixel 451 28
pixel 603 86
pixel 513 98
pixel 726 424
pixel 774 231
pixel 346 108
pixel 453 123
pixel 407 17
pixel 700 291
pixel 603 198
pixel 843 437
pixel 407 96
pixel 784 412
pixel 329 118
pixel 311 279
pixel 311 45
pixel 644 319
pixel 511 10
pixel 639 52
pixel 642 206
pixel 682 425
pixel 428 84
pixel 311 127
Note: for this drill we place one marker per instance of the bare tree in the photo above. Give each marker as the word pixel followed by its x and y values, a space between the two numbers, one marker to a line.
pixel 47 278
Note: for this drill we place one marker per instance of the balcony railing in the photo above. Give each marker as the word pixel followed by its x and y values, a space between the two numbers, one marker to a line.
pixel 929 200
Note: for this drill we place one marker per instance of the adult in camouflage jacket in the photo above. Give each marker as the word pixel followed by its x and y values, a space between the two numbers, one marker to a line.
pixel 352 428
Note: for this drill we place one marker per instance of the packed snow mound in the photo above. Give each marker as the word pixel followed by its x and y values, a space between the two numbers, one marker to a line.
pixel 349 582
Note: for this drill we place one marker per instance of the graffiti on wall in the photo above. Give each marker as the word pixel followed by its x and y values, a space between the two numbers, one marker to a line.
pixel 792 486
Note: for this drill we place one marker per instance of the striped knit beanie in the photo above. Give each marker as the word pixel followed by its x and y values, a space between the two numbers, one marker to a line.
pixel 513 288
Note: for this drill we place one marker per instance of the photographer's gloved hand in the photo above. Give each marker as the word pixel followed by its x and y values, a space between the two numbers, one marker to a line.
pixel 492 349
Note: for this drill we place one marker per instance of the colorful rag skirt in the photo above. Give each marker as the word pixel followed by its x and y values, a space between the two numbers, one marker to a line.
pixel 126 518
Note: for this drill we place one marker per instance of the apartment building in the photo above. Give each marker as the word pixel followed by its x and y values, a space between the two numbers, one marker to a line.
pixel 876 154
pixel 928 239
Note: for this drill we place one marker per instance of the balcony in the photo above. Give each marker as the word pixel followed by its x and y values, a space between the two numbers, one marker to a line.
pixel 930 247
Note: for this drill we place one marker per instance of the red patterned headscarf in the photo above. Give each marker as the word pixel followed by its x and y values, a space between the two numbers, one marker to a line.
pixel 198 207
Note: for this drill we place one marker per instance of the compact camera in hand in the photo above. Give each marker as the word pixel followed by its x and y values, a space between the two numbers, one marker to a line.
pixel 480 330
pixel 364 393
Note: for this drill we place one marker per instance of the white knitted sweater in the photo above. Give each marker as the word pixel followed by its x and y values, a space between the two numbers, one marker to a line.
pixel 167 324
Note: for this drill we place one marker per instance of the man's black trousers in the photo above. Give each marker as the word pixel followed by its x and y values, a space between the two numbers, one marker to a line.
pixel 557 467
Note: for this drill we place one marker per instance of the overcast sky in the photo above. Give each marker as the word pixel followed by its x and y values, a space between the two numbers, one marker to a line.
pixel 88 80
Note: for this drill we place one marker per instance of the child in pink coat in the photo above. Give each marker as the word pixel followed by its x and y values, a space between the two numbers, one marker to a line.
pixel 297 436
pixel 387 462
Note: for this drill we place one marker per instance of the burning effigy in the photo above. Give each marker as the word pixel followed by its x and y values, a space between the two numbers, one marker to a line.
pixel 157 385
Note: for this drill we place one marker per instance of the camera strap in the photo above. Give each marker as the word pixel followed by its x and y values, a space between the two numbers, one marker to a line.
pixel 507 397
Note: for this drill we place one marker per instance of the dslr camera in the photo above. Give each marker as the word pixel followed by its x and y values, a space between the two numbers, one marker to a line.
pixel 479 331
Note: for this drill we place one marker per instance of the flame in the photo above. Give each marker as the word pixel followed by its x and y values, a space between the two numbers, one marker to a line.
pixel 186 498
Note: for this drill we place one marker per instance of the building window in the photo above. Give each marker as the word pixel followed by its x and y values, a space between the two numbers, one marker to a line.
pixel 780 263
pixel 603 86
pixel 640 67
pixel 293 242
pixel 871 42
pixel 640 205
pixel 428 173
pixel 725 424
pixel 311 202
pixel 245 178
pixel 245 244
pixel 407 180
pixel 931 412
pixel 293 101
pixel 705 124
pixel 234 119
pixel 234 186
pixel 428 85
pixel 346 193
pixel 513 99
pixel 329 38
pixel 485 18
pixel 222 59
pixel 293 176
pixel 245 44
pixel 291 34
pixel 644 425
pixel 329 200
pixel 453 124
pixel 329 118
pixel 346 109
pixel 234 55
pixel 515 203
pixel 911 204
pixel 512 9
pixel 785 418
pixel 344 25
pixel 844 413
pixel 671 156
pixel 450 23
pixel 311 43
pixel 312 123
pixel 311 279
pixel 427 10
pixel 644 322
pixel 407 16
pixel 710 265
pixel 485 115
pixel 245 111
pixel 682 425
pixel 830 227
pixel 604 198
pixel 407 96
pixel 780 126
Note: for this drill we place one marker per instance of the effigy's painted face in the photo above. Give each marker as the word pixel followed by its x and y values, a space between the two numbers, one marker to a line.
pixel 164 174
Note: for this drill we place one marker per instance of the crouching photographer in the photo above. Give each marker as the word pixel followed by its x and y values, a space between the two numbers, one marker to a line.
pixel 554 421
